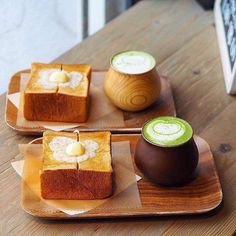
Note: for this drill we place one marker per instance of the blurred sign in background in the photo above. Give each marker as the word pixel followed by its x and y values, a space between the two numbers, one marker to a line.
pixel 225 19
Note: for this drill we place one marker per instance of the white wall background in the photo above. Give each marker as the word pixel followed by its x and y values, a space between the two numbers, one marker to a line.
pixel 41 30
pixel 35 31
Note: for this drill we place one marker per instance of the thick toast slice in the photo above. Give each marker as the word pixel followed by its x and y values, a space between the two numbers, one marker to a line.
pixel 48 101
pixel 63 178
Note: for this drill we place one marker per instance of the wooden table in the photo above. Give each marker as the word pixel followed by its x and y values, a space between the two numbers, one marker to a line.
pixel 182 37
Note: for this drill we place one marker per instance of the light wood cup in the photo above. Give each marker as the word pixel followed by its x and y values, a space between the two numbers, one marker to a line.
pixel 132 92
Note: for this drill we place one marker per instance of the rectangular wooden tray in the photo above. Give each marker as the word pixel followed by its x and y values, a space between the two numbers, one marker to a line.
pixel 133 121
pixel 201 195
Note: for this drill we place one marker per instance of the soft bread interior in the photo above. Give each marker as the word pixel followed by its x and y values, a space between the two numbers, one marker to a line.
pixel 82 90
pixel 49 162
pixel 101 162
pixel 33 86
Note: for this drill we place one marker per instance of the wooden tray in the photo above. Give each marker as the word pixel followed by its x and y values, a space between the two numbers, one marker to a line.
pixel 201 195
pixel 133 121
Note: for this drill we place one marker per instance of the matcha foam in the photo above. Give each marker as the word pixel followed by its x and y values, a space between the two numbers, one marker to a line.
pixel 167 131
pixel 133 62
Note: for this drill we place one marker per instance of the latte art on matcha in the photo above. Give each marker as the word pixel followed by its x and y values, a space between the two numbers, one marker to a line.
pixel 167 131
pixel 133 62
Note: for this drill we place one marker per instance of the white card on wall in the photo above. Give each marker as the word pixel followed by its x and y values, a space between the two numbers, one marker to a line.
pixel 225 20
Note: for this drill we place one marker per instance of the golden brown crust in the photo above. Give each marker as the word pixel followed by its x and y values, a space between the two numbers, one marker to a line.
pixel 102 161
pixel 49 162
pixel 62 104
pixel 75 184
pixel 90 179
pixel 84 68
pixel 33 86
pixel 55 107
pixel 36 66
pixel 83 88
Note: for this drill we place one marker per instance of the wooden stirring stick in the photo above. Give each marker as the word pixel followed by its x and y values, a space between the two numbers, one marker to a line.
pixel 77 134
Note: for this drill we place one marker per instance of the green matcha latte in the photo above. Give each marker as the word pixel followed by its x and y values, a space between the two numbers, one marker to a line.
pixel 167 131
pixel 133 62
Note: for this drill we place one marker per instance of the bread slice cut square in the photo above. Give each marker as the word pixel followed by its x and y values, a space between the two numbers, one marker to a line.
pixel 65 177
pixel 45 100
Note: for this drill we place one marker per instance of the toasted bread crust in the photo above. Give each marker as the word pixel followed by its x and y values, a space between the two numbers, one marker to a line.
pixel 76 184
pixel 62 105
pixel 90 179
pixel 55 107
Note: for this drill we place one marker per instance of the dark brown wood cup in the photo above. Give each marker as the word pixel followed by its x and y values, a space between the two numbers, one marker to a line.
pixel 166 165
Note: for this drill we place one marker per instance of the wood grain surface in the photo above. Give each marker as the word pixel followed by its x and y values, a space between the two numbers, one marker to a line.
pixel 132 92
pixel 133 121
pixel 201 195
pixel 182 38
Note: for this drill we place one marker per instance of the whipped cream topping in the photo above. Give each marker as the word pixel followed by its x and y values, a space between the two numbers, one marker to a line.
pixel 74 79
pixel 58 146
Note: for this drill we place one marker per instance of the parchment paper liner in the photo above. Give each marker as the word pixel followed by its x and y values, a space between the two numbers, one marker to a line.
pixel 102 113
pixel 125 189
